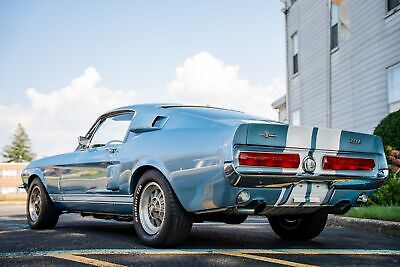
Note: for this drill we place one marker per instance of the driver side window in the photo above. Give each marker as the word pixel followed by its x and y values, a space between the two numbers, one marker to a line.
pixel 112 129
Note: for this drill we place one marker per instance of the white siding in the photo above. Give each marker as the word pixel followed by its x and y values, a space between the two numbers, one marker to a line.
pixel 308 87
pixel 359 82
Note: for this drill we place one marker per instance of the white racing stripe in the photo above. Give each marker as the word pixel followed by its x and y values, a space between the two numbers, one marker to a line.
pixel 328 139
pixel 299 136
pixel 296 196
pixel 283 190
pixel 318 193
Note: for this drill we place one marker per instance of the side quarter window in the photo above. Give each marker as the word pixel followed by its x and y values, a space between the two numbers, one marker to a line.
pixel 113 128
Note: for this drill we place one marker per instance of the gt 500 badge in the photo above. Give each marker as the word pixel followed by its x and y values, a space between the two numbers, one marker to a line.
pixel 355 141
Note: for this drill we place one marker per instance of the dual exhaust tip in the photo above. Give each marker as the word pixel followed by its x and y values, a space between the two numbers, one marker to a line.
pixel 254 207
pixel 257 206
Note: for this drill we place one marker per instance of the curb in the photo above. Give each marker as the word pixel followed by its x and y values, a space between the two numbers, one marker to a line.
pixel 365 225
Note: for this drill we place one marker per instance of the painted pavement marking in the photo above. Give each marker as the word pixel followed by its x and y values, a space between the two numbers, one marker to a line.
pixel 84 260
pixel 12 231
pixel 14 225
pixel 266 259
pixel 80 256
pixel 206 251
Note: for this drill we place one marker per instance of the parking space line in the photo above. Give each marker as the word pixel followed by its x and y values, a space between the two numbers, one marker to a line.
pixel 329 252
pixel 12 231
pixel 149 251
pixel 266 259
pixel 84 260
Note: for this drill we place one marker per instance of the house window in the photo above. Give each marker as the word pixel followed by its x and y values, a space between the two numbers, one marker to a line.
pixel 295 49
pixel 392 4
pixel 296 117
pixel 393 81
pixel 334 26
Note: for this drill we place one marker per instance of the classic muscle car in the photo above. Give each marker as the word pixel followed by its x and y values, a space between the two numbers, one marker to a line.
pixel 165 167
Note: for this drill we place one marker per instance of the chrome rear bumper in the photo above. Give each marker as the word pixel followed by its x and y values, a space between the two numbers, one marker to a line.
pixel 259 180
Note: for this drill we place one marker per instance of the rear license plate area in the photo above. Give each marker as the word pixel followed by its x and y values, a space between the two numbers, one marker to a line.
pixel 307 194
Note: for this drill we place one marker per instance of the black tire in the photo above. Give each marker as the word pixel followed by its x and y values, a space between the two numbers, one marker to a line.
pixel 47 214
pixel 176 222
pixel 299 227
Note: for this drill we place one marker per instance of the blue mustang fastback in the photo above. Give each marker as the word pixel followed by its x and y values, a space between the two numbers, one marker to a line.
pixel 165 167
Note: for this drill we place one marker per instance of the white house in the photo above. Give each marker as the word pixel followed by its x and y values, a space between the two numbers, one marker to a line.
pixel 343 62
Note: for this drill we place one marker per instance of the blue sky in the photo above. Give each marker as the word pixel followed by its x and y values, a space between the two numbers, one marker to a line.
pixel 138 47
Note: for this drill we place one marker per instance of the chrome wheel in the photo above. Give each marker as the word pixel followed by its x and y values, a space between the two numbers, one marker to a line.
pixel 152 208
pixel 34 203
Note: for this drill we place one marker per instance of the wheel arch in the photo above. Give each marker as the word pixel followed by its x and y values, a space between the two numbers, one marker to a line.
pixel 137 174
pixel 35 173
pixel 32 177
pixel 144 168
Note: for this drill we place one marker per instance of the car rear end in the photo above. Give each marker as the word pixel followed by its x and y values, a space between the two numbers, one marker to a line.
pixel 280 169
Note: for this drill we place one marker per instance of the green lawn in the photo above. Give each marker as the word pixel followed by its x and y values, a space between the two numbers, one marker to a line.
pixel 386 213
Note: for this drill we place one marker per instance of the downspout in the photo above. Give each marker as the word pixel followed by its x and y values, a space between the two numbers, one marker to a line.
pixel 285 12
pixel 329 72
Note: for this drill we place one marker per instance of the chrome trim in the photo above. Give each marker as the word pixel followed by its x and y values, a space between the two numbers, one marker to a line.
pixel 92 198
pixel 267 134
pixel 245 211
pixel 152 209
pixel 35 203
pixel 383 173
pixel 235 178
pixel 93 202
pixel 291 152
pixel 309 164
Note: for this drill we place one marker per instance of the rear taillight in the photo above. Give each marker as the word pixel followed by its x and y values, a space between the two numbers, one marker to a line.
pixel 347 164
pixel 269 159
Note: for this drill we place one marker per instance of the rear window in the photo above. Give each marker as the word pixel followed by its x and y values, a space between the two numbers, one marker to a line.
pixel 217 113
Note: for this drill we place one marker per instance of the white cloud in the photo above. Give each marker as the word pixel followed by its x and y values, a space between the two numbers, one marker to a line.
pixel 54 120
pixel 204 79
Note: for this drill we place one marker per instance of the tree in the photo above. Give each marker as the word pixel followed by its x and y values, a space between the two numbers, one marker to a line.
pixel 20 149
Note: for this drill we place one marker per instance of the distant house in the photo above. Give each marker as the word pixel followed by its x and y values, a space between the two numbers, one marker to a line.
pixel 10 178
pixel 343 62
pixel 280 106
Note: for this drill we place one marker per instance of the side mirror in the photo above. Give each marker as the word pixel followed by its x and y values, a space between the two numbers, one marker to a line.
pixel 83 141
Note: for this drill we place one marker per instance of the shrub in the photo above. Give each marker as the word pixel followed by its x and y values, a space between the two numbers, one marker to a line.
pixel 389 130
pixel 389 193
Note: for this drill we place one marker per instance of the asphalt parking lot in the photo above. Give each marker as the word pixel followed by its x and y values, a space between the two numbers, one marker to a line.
pixel 86 241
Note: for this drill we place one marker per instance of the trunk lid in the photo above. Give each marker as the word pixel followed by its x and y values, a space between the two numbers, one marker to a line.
pixel 289 136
